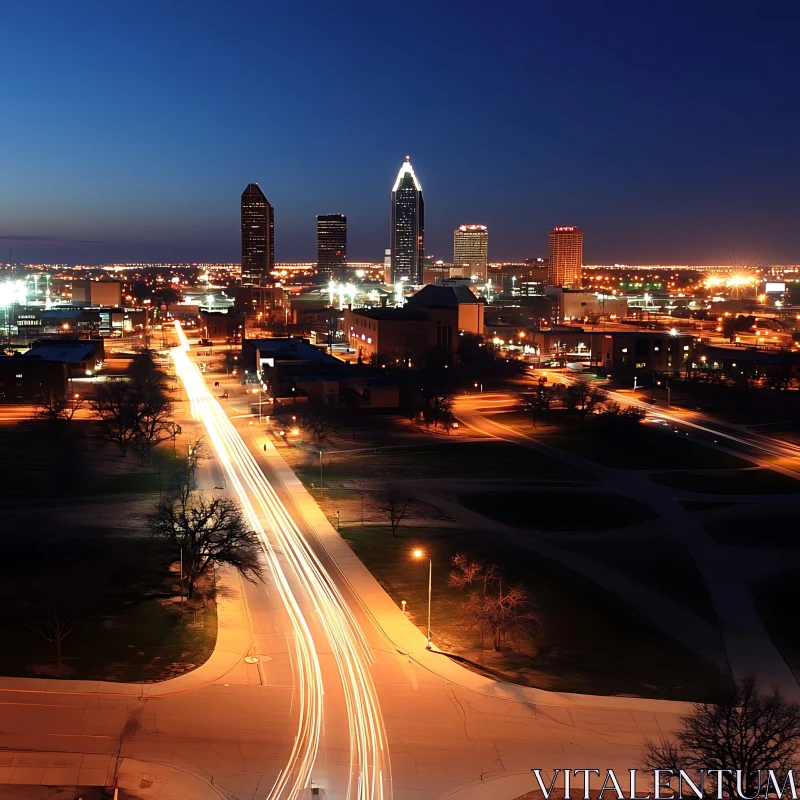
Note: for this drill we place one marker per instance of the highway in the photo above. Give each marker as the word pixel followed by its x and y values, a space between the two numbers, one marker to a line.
pixel 287 551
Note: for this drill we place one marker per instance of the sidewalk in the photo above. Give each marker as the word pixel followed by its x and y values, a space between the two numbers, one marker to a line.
pixel 70 770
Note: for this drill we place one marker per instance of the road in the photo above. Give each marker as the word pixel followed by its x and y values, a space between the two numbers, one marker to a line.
pixel 712 431
pixel 278 534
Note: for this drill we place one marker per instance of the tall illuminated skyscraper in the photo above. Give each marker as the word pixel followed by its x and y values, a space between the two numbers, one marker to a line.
pixel 408 226
pixel 566 257
pixel 471 250
pixel 331 246
pixel 258 237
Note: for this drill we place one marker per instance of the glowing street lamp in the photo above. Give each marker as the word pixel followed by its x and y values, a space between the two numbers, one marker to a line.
pixel 418 554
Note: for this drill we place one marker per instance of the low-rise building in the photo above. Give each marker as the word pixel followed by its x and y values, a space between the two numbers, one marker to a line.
pixel 82 357
pixel 294 371
pixel 433 317
pixel 30 379
pixel 623 353
pixel 577 305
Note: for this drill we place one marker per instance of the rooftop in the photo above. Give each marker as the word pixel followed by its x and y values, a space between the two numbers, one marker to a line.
pixel 72 352
pixel 397 314
pixel 290 349
pixel 436 296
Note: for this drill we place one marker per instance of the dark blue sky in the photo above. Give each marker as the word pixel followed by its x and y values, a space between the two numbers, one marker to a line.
pixel 667 130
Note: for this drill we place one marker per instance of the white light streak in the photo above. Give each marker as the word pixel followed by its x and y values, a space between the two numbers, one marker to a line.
pixel 369 756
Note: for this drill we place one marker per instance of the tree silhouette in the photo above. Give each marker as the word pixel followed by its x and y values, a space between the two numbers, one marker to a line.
pixel 746 729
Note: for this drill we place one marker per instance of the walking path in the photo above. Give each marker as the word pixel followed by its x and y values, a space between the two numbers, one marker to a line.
pixel 748 646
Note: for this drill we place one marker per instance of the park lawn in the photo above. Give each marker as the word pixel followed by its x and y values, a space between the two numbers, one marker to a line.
pixel 777 598
pixel 593 643
pixel 125 591
pixel 39 460
pixel 553 510
pixel 491 458
pixel 733 482
pixel 660 564
pixel 704 505
pixel 647 447
pixel 759 526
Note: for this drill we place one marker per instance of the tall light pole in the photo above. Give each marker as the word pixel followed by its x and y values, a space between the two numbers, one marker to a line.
pixel 420 554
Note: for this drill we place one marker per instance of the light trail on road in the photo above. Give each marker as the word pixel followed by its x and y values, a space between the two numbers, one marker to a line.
pixel 765 444
pixel 370 775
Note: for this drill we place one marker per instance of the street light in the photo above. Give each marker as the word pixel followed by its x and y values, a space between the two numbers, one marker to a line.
pixel 420 554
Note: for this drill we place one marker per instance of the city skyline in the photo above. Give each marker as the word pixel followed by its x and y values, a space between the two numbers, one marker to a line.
pixel 647 154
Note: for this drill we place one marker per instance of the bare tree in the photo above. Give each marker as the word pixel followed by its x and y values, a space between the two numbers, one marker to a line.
pixel 54 619
pixel 466 571
pixel 438 408
pixel 584 398
pixel 538 403
pixel 59 409
pixel 505 616
pixel 747 730
pixel 134 412
pixel 116 410
pixel 207 532
pixel 395 504
pixel 155 424
pixel 321 429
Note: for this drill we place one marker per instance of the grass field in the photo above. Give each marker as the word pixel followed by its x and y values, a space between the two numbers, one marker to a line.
pixel 704 505
pixel 586 629
pixel 124 592
pixel 551 510
pixel 658 563
pixel 122 587
pixel 733 482
pixel 491 458
pixel 777 598
pixel 758 527
pixel 649 447
pixel 38 460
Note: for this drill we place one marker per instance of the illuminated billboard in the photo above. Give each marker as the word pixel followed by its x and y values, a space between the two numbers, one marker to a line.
pixel 775 288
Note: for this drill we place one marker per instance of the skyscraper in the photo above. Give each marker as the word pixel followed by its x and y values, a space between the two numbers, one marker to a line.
pixel 331 246
pixel 471 250
pixel 566 256
pixel 408 226
pixel 258 237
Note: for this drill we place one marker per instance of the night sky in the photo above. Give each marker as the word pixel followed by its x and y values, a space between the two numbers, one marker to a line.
pixel 668 131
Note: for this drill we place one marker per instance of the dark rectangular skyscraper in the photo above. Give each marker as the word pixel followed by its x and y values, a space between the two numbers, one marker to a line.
pixel 258 237
pixel 331 246
pixel 408 227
